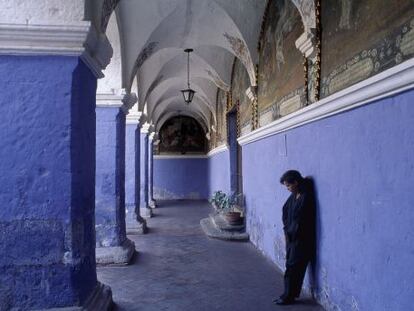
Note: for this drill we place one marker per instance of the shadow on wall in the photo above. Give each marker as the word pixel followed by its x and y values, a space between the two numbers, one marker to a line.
pixel 314 267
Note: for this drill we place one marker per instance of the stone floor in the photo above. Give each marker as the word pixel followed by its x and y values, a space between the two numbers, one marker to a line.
pixel 178 268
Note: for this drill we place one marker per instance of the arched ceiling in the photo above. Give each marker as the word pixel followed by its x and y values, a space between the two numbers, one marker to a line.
pixel 153 35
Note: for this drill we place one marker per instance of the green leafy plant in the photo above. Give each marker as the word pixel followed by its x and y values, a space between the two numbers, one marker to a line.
pixel 227 203
pixel 218 200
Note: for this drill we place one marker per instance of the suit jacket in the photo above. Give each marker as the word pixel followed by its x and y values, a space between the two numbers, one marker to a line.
pixel 299 226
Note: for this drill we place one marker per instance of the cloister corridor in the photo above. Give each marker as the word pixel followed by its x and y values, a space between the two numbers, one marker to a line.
pixel 178 268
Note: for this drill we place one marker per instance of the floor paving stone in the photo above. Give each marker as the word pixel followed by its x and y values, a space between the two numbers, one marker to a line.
pixel 178 268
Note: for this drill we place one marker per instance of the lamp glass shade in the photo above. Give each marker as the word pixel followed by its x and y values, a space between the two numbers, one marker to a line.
pixel 188 95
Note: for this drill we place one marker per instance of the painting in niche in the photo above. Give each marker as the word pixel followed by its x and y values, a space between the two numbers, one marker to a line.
pixel 239 84
pixel 182 135
pixel 363 38
pixel 280 62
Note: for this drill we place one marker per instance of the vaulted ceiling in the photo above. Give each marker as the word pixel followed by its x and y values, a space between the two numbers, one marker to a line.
pixel 149 38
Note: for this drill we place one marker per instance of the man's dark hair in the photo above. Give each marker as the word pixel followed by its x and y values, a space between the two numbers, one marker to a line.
pixel 291 176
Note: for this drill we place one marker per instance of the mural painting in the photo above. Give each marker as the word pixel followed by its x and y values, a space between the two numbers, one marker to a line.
pixel 181 135
pixel 280 74
pixel 365 37
pixel 239 84
pixel 221 117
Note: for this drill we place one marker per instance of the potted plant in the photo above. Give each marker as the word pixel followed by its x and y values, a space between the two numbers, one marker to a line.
pixel 229 206
pixel 218 200
pixel 232 209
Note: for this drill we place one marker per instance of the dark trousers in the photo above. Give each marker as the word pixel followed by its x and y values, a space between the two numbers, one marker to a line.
pixel 294 275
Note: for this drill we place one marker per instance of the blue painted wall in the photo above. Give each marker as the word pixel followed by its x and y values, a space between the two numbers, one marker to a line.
pixel 110 177
pixel 185 178
pixel 47 175
pixel 363 168
pixel 143 195
pixel 219 172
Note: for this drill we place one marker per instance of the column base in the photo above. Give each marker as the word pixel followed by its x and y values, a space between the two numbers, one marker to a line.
pixel 152 204
pixel 138 226
pixel 115 254
pixel 99 300
pixel 145 212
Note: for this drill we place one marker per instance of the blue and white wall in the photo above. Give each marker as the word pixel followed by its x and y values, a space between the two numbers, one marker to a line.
pixel 219 170
pixel 361 161
pixel 180 177
pixel 191 177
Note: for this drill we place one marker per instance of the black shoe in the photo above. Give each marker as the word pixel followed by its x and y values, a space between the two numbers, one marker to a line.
pixel 283 302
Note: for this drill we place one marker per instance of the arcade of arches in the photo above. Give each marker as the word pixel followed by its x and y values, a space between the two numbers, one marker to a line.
pixel 96 139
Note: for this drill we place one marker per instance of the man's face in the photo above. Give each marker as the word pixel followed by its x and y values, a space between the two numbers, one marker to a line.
pixel 292 187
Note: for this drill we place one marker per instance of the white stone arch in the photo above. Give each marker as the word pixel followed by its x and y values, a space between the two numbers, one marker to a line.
pixel 177 103
pixel 203 22
pixel 170 91
pixel 171 62
pixel 112 80
pixel 108 7
pixel 306 9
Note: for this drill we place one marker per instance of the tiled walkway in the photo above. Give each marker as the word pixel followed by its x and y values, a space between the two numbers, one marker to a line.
pixel 178 268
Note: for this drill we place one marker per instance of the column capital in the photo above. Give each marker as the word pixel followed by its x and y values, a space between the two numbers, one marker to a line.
pixel 152 136
pixel 145 128
pixel 129 101
pixel 113 99
pixel 135 118
pixel 97 53
pixel 306 43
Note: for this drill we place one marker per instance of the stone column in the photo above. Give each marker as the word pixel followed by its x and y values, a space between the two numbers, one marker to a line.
pixel 145 210
pixel 112 245
pixel 152 203
pixel 135 224
pixel 48 81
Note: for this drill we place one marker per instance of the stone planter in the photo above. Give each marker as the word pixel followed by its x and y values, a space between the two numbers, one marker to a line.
pixel 234 218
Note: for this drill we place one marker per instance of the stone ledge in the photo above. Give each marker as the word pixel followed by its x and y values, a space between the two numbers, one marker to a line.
pixel 120 255
pixel 212 231
pixel 221 223
pixel 99 300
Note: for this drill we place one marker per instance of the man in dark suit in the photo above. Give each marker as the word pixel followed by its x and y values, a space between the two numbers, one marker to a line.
pixel 299 229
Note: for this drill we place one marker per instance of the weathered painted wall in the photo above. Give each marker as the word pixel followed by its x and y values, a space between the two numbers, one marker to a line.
pixel 221 133
pixel 239 84
pixel 182 178
pixel 361 162
pixel 362 38
pixel 280 76
pixel 47 182
pixel 219 172
pixel 110 177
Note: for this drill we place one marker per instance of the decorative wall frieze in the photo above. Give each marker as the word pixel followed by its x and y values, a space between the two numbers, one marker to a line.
pixel 75 39
pixel 27 39
pixel 251 93
pixel 387 83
